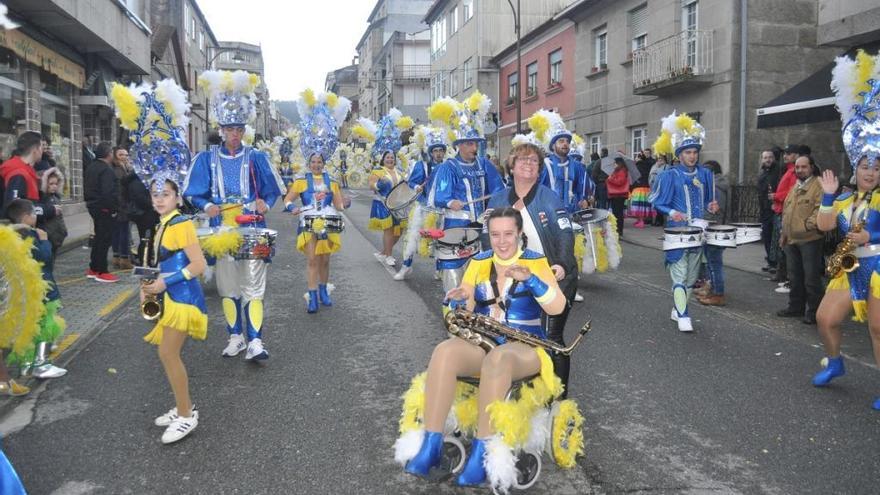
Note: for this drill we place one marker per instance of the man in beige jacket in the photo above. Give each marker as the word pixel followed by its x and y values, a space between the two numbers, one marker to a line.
pixel 803 243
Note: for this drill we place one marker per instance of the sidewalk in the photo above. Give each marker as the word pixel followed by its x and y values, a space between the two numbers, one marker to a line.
pixel 746 257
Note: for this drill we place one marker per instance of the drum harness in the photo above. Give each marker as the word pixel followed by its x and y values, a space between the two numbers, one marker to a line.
pixel 481 174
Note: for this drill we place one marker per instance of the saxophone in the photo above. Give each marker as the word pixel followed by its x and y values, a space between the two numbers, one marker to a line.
pixel 844 259
pixel 482 331
pixel 151 308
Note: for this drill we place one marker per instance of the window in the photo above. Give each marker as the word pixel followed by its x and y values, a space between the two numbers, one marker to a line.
pixel 453 20
pixel 438 37
pixel 689 23
pixel 468 10
pixel 532 79
pixel 639 135
pixel 555 60
pixel 601 56
pixel 595 143
pixel 512 88
pixel 441 83
pixel 453 83
pixel 192 28
pixel 186 20
pixel 468 74
pixel 202 40
pixel 638 27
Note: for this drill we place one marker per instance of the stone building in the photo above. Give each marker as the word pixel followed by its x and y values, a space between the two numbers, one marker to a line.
pixel 182 45
pixel 56 72
pixel 393 60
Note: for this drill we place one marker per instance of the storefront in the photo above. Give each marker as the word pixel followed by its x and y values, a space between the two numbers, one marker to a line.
pixel 12 106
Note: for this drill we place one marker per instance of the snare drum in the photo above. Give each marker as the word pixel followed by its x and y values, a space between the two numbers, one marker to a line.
pixel 747 232
pixel 258 243
pixel 682 238
pixel 457 243
pixel 721 236
pixel 400 200
pixel 590 216
pixel 323 224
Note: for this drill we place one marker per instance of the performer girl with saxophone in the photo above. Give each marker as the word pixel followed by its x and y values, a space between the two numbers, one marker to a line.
pixel 855 281
pixel 161 161
pixel 514 286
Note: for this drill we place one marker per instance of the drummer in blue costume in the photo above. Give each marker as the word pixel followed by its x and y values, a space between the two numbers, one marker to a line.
pixel 433 142
pixel 227 181
pixel 587 189
pixel 156 117
pixel 563 174
pixel 463 182
pixel 320 118
pixel 857 291
pixel 684 193
pixel 385 139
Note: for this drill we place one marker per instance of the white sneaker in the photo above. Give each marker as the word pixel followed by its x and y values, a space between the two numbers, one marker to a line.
pixel 255 351
pixel 785 289
pixel 684 324
pixel 171 415
pixel 674 315
pixel 180 427
pixel 236 345
pixel 48 370
pixel 379 257
pixel 390 261
pixel 578 297
pixel 402 273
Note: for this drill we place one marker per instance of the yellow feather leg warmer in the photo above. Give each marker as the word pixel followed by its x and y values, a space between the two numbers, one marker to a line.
pixel 413 405
pixel 567 436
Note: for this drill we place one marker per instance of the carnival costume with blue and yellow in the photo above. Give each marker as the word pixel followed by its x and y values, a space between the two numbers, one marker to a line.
pixel 233 180
pixel 568 179
pixel 687 191
pixel 856 84
pixel 421 174
pixel 156 117
pixel 521 424
pixel 457 180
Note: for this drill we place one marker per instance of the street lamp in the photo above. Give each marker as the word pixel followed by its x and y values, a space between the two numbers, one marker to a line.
pixel 516 26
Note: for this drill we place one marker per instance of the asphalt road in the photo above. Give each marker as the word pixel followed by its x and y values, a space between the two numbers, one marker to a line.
pixel 727 409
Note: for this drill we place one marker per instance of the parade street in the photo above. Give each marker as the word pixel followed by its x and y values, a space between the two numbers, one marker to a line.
pixel 727 409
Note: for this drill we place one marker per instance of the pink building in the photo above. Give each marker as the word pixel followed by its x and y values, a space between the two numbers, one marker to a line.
pixel 547 78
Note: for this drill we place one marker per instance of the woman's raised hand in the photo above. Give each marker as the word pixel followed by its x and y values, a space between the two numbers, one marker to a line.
pixel 457 294
pixel 829 182
pixel 518 272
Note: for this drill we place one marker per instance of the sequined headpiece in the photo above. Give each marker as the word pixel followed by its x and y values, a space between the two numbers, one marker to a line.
pixel 548 127
pixel 156 118
pixel 468 119
pixel 385 136
pixel 678 133
pixel 320 118
pixel 856 85
pixel 232 99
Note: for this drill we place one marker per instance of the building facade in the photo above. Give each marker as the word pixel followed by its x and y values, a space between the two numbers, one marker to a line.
pixel 393 60
pixel 56 73
pixel 467 34
pixel 344 82
pixel 545 80
pixel 238 55
pixel 182 45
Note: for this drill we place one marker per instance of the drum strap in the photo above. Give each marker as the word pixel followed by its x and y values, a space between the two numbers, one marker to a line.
pixel 153 247
pixel 499 299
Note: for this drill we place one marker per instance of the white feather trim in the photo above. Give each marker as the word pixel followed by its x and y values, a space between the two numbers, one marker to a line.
pixel 843 78
pixel 408 445
pixel 175 100
pixel 668 122
pixel 500 464
pixel 395 115
pixel 369 125
pixel 612 242
pixel 343 106
pixel 208 274
pixel 589 261
pixel 540 432
pixel 241 81
pixel 412 238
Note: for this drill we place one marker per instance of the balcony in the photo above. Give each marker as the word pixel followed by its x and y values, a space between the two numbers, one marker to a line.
pixel 413 73
pixel 678 63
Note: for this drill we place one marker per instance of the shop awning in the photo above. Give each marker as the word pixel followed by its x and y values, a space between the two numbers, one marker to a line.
pixel 808 101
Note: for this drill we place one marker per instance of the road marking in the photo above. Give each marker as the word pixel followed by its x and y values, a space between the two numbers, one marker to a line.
pixel 69 281
pixel 115 303
pixel 67 342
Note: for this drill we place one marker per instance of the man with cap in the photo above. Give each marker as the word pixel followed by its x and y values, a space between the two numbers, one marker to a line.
pixel 464 182
pixel 230 180
pixel 565 176
pixel 684 193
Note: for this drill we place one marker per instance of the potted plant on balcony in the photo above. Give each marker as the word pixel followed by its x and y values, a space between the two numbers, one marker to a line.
pixel 594 70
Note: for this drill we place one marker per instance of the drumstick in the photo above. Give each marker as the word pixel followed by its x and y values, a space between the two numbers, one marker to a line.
pixel 481 198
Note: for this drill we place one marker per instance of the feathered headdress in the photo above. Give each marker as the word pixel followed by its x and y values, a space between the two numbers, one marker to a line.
pixel 578 147
pixel 468 118
pixel 856 86
pixel 156 117
pixel 530 138
pixel 320 118
pixel 678 133
pixel 548 127
pixel 387 133
pixel 233 102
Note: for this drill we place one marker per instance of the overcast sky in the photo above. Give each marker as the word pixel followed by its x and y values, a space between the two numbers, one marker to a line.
pixel 302 40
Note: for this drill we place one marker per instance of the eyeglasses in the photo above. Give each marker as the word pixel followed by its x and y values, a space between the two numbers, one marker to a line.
pixel 528 159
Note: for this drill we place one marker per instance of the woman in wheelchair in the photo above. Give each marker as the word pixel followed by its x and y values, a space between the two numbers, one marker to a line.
pixel 514 286
pixel 322 201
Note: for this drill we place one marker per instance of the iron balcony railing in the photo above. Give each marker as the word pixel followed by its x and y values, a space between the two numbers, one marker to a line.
pixel 680 56
pixel 409 72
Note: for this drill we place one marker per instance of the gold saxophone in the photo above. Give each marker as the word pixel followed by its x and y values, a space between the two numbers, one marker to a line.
pixel 482 331
pixel 151 308
pixel 844 259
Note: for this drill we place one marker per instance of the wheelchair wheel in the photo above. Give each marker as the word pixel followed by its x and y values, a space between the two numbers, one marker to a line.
pixel 528 467
pixel 566 436
pixel 454 454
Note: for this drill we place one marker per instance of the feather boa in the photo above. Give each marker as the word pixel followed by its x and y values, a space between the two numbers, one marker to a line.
pixel 24 306
pixel 612 240
pixel 221 243
pixel 412 237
